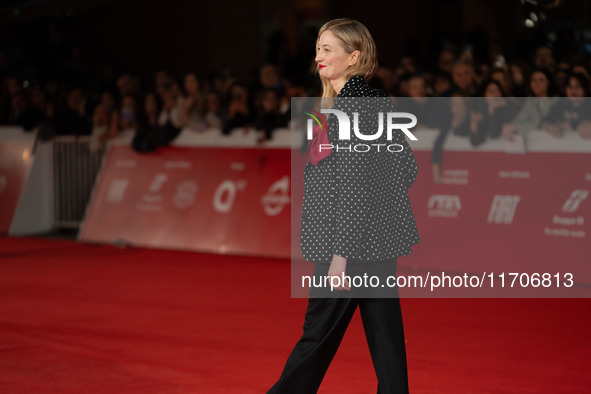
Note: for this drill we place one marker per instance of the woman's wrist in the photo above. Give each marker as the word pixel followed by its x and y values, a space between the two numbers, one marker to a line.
pixel 338 259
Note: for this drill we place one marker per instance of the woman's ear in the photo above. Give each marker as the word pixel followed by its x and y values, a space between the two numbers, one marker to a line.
pixel 354 57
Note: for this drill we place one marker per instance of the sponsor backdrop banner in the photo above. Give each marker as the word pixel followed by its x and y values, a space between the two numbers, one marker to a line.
pixel 222 200
pixel 15 163
pixel 500 194
pixel 498 213
pixel 491 211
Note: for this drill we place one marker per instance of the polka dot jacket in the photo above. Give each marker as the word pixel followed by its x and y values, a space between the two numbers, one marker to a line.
pixel 356 204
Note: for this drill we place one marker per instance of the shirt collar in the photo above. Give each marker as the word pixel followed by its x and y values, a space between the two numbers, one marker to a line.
pixel 348 86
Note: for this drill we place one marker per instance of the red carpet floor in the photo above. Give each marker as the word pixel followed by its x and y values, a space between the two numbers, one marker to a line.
pixel 78 318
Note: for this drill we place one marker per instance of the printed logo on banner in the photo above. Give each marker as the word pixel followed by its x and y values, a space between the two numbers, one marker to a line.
pixel 177 164
pixel 455 177
pixel 276 197
pixel 152 201
pixel 237 166
pixel 503 208
pixel 442 205
pixel 117 189
pixel 515 174
pixel 225 194
pixel 185 194
pixel 126 163
pixel 571 223
pixel 2 183
pixel 157 183
pixel 574 201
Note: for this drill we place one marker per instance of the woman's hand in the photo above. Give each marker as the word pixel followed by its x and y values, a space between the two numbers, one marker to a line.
pixel 508 131
pixel 337 269
pixel 475 119
pixel 553 129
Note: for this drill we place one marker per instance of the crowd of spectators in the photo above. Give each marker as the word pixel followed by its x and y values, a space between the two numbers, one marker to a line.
pixel 155 111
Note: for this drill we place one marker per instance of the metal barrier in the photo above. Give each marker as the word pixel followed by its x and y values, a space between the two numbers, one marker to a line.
pixel 75 168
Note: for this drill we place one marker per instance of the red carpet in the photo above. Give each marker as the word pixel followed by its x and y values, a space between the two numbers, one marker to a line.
pixel 77 318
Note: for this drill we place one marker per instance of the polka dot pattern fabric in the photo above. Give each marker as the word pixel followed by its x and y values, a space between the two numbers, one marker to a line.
pixel 356 203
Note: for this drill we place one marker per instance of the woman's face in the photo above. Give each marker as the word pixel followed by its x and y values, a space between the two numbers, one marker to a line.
pixel 539 84
pixel 575 92
pixel 212 103
pixel 331 57
pixel 501 78
pixel 107 100
pixel 239 93
pixel 574 88
pixel 517 74
pixel 492 90
pixel 417 87
pixel 191 83
pixel 128 102
pixel 150 104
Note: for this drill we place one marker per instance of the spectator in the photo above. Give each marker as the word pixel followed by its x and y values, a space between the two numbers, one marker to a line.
pixel 194 104
pixel 34 108
pixel 454 119
pixel 418 104
pixel 488 115
pixel 544 58
pixel 464 79
pixel 73 118
pixel 442 83
pixel 533 109
pixel 152 108
pixel 102 122
pixel 126 117
pixel 269 78
pixel 213 111
pixel 518 71
pixel 502 77
pixel 162 81
pixel 10 95
pixel 153 129
pixel 580 68
pixel 561 78
pixel 173 109
pixel 270 118
pixel 386 79
pixel 295 86
pixel 573 113
pixel 446 60
pixel 127 84
pixel 240 113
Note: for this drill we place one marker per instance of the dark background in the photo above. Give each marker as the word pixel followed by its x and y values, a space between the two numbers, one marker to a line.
pixel 140 37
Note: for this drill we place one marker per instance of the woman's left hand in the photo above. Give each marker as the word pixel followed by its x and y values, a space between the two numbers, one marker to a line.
pixel 337 269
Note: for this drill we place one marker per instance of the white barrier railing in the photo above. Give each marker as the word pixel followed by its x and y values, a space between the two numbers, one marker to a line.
pixel 75 168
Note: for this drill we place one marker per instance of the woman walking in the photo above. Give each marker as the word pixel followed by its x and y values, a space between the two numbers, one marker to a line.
pixel 356 220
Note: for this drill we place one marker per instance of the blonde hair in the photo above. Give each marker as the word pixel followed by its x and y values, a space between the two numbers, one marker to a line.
pixel 353 36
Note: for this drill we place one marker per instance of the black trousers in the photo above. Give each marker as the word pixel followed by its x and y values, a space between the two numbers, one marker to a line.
pixel 325 324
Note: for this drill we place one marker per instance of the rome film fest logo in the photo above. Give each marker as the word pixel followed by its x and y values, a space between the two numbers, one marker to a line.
pixel 345 130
